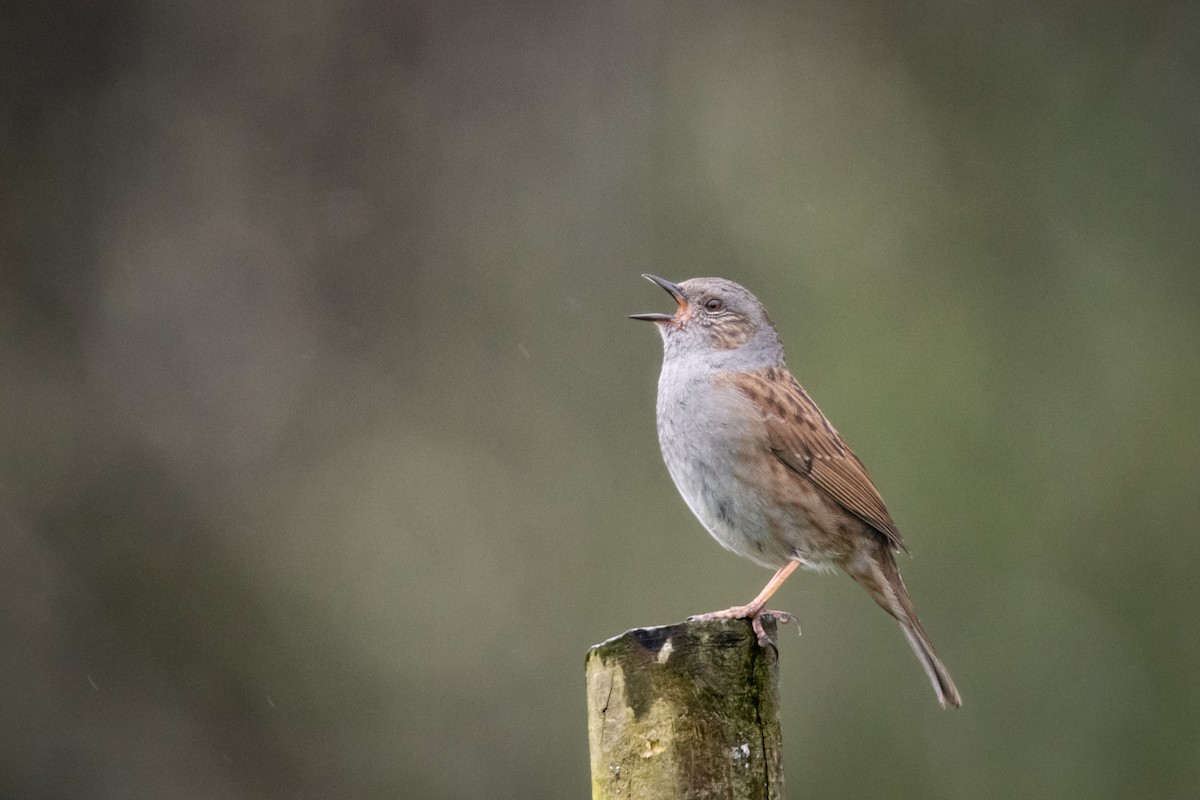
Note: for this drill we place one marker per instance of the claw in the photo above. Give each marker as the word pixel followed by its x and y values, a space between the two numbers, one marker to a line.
pixel 755 617
pixel 781 617
pixel 763 639
pixel 784 617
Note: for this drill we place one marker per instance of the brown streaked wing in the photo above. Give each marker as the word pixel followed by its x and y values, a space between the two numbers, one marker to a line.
pixel 801 437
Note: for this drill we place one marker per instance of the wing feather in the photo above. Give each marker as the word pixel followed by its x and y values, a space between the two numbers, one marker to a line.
pixel 801 437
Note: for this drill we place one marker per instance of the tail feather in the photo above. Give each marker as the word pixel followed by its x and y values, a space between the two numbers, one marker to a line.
pixel 881 578
pixel 943 684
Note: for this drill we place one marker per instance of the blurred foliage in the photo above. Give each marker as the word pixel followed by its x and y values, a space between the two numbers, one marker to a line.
pixel 327 449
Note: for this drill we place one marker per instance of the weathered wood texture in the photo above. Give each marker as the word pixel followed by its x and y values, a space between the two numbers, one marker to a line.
pixel 685 711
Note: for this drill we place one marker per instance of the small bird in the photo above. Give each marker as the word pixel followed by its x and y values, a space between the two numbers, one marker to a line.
pixel 760 466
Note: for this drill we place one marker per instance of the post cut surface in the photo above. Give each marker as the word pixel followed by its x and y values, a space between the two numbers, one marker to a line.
pixel 685 711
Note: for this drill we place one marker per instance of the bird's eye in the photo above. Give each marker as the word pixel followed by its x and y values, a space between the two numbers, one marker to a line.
pixel 714 304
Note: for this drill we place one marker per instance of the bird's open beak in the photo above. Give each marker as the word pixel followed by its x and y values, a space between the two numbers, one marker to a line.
pixel 672 290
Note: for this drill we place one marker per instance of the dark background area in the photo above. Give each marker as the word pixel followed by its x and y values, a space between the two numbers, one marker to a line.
pixel 327 449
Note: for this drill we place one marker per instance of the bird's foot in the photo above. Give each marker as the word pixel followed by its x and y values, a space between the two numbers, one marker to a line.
pixel 752 613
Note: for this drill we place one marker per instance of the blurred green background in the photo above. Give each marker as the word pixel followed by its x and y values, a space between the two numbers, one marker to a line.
pixel 327 449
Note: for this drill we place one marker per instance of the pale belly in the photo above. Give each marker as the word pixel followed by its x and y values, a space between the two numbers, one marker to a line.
pixel 722 467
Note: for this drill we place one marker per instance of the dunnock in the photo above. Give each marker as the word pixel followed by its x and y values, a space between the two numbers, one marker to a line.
pixel 760 466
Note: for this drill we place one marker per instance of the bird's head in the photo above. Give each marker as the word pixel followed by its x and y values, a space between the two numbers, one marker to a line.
pixel 713 315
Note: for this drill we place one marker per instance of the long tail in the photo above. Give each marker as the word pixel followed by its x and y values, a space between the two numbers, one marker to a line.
pixel 881 578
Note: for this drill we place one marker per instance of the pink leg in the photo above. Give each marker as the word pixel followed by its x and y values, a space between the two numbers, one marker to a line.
pixel 753 611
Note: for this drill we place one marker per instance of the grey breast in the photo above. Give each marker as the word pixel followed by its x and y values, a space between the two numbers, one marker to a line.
pixel 705 431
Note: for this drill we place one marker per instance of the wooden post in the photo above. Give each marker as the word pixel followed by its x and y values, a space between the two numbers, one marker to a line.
pixel 685 711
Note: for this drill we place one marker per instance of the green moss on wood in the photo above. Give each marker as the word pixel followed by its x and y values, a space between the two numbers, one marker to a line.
pixel 684 711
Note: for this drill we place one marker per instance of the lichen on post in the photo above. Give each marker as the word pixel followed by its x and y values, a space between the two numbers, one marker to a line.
pixel 685 711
